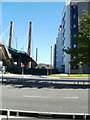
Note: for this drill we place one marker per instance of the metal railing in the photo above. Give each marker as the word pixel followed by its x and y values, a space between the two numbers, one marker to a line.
pixel 51 80
pixel 20 113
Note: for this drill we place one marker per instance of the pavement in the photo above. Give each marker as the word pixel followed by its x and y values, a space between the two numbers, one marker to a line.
pixel 43 96
pixel 43 76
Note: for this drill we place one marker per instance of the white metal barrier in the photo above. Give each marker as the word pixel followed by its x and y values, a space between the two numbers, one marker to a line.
pixel 21 113
pixel 51 80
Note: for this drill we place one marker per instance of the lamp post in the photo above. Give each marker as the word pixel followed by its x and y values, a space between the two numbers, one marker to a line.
pixel 51 61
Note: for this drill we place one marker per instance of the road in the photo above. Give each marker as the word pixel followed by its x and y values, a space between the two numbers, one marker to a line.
pixel 44 97
pixel 33 118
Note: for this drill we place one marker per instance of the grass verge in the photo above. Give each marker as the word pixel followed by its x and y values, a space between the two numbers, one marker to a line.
pixel 71 75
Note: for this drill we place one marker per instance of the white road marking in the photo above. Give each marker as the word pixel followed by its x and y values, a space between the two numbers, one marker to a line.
pixel 27 96
pixel 70 97
pixel 75 89
pixel 36 96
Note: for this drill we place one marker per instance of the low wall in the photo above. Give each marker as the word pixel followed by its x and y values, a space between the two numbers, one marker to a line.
pixel 42 71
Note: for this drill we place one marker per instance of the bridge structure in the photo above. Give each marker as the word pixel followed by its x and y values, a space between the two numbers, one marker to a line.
pixel 5 56
pixel 14 59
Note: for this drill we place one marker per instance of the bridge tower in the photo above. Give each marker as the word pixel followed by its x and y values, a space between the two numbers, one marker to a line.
pixel 29 43
pixel 29 39
pixel 11 33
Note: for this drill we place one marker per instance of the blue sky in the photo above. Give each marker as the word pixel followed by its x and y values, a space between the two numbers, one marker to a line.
pixel 45 17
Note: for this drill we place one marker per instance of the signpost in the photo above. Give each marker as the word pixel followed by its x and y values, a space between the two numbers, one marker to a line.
pixel 47 67
pixel 23 68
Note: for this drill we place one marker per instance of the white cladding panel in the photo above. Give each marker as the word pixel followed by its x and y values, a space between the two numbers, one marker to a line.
pixel 59 51
pixel 67 39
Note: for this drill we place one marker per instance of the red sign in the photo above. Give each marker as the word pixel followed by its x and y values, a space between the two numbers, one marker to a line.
pixel 23 65
pixel 47 66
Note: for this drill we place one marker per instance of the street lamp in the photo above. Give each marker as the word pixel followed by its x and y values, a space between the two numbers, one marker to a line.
pixel 51 61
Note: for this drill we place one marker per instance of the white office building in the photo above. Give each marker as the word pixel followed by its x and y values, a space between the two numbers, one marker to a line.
pixel 63 41
pixel 59 51
pixel 72 12
pixel 66 38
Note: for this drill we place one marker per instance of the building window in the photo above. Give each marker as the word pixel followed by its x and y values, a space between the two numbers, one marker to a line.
pixel 62 59
pixel 74 26
pixel 74 16
pixel 74 46
pixel 74 35
pixel 74 7
pixel 74 56
pixel 62 42
pixel 84 9
pixel 57 41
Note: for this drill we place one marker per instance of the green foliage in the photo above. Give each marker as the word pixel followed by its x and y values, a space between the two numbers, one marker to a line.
pixel 71 75
pixel 42 67
pixel 81 54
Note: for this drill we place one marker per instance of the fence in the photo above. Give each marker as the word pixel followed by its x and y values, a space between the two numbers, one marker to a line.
pixel 50 115
pixel 86 82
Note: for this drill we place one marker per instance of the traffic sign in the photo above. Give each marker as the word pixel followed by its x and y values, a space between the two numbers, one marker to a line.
pixel 23 65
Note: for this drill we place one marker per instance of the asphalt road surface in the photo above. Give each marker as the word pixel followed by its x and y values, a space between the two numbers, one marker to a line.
pixel 33 118
pixel 44 97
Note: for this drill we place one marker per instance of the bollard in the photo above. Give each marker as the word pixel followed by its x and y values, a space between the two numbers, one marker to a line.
pixel 73 117
pixel 17 114
pixel 84 117
pixel 8 113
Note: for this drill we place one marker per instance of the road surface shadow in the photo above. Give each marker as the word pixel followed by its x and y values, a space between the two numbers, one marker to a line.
pixel 42 84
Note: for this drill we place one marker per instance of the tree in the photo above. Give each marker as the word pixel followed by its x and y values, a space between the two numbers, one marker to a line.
pixel 81 54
